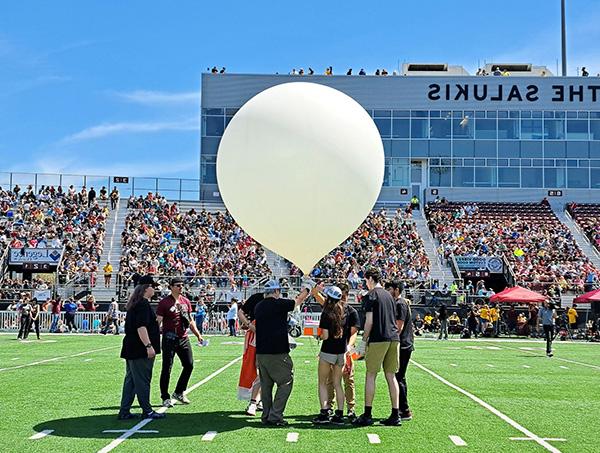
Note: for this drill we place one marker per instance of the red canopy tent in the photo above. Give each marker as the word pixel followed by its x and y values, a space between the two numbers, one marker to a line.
pixel 588 298
pixel 518 295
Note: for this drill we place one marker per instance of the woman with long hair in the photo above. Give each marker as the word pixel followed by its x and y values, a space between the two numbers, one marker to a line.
pixel 35 318
pixel 335 334
pixel 140 346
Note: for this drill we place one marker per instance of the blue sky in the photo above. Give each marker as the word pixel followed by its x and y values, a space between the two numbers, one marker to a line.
pixel 105 88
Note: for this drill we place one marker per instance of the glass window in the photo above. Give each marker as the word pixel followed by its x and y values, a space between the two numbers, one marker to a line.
pixel 594 129
pixel 548 114
pixel 508 177
pixel 584 163
pixel 464 148
pixel 400 148
pixel 513 114
pixel 485 176
pixel 463 127
pixel 571 114
pixel 514 162
pixel 578 178
pixel 484 148
pixel 502 114
pixel 554 149
pixel 577 130
pixel 419 148
pixel 385 126
pixel 531 149
pixel 508 129
pixel 382 113
pixel 463 177
pixel 231 112
pixel 419 128
pixel 401 128
pixel 571 162
pixel 594 149
pixel 531 129
pixel 213 126
pixel 554 129
pixel 532 177
pixel 469 162
pixel 554 178
pixel 508 148
pixel 212 111
pixel 399 175
pixel 434 114
pixel 209 173
pixel 419 113
pixel 536 114
pixel 595 178
pixel 559 114
pixel 485 129
pixel 577 149
pixel 538 162
pixel 440 128
pixel 492 113
pixel 480 114
pixel 526 162
pixel 387 148
pixel 440 148
pixel 583 115
pixel 525 113
pixel 210 145
pixel 401 113
pixel 439 176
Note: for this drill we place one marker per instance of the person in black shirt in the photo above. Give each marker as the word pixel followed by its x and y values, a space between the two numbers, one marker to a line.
pixel 337 326
pixel 407 339
pixel 140 346
pixel 381 343
pixel 25 309
pixel 443 319
pixel 246 316
pixel 272 351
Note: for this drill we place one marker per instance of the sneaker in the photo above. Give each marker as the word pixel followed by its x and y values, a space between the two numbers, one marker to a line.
pixel 351 416
pixel 391 421
pixel 337 420
pixel 549 354
pixel 259 406
pixel 168 403
pixel 127 416
pixel 154 415
pixel 406 416
pixel 321 419
pixel 251 409
pixel 363 420
pixel 330 412
pixel 279 424
pixel 181 398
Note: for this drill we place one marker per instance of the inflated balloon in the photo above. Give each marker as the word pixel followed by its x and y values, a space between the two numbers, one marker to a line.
pixel 299 168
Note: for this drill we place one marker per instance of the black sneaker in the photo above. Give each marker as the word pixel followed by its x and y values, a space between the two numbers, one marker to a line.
pixel 154 415
pixel 127 416
pixel 549 354
pixel 391 421
pixel 321 419
pixel 406 416
pixel 363 420
pixel 279 424
pixel 351 416
pixel 337 420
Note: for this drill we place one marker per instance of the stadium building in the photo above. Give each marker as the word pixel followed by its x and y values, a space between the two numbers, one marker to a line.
pixel 445 133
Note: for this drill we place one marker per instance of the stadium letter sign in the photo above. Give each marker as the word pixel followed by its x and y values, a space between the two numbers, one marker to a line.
pixel 34 255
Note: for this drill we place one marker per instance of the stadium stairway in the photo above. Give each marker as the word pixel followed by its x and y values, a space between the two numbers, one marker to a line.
pixel 277 264
pixel 111 252
pixel 579 237
pixel 440 272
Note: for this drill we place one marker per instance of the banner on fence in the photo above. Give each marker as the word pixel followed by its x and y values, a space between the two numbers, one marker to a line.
pixel 492 264
pixel 34 255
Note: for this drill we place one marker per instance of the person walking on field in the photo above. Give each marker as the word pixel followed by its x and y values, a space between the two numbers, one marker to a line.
pixel 548 316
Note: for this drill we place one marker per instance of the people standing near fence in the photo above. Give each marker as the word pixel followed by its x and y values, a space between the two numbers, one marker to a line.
pixel 112 317
pixel 56 305
pixel 174 313
pixel 548 316
pixel 273 351
pixel 35 318
pixel 70 308
pixel 140 347
pixel 249 381
pixel 381 342
pixel 407 340
pixel 24 309
pixel 572 315
pixel 200 314
pixel 443 320
pixel 108 270
pixel 232 315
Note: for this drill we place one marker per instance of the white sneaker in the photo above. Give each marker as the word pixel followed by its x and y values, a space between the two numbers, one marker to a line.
pixel 181 398
pixel 251 409
pixel 259 406
pixel 168 403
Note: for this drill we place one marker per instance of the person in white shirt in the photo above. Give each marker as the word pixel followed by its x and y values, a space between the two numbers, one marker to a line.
pixel 232 317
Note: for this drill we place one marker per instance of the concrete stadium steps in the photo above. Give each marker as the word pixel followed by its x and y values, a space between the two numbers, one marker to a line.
pixel 185 206
pixel 277 264
pixel 438 271
pixel 579 237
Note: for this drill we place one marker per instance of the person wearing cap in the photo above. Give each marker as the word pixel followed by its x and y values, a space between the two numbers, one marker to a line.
pixel 141 344
pixel 338 324
pixel 273 351
pixel 232 316
pixel 174 315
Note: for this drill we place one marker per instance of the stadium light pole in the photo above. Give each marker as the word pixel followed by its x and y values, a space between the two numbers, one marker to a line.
pixel 563 37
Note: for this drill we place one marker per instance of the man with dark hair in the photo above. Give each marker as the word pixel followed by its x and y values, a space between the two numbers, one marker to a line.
pixel 174 314
pixel 407 339
pixel 382 344
pixel 548 316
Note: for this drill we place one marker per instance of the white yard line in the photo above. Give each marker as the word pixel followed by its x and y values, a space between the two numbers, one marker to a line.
pixel 292 437
pixel 532 351
pixel 490 408
pixel 374 439
pixel 563 367
pixel 209 436
pixel 457 440
pixel 41 434
pixel 553 439
pixel 141 431
pixel 526 366
pixel 130 432
pixel 58 358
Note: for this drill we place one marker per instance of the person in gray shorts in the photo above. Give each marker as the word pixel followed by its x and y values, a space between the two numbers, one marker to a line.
pixel 337 325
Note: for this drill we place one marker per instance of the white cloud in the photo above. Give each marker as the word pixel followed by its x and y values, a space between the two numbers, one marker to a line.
pixel 161 97
pixel 107 129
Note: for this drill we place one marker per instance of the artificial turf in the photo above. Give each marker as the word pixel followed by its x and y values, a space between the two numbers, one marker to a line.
pixel 77 396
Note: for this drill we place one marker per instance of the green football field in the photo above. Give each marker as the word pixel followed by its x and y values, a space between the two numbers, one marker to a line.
pixel 465 395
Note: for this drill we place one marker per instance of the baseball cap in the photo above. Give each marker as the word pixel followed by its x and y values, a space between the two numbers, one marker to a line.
pixel 272 285
pixel 334 292
pixel 147 280
pixel 175 280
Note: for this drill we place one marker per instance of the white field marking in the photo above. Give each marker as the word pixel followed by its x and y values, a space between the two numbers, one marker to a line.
pixel 58 358
pixel 453 364
pixel 209 436
pixel 41 434
pixel 457 440
pixel 527 349
pixel 473 347
pixel 232 342
pixel 490 408
pixel 87 360
pixel 15 358
pixel 374 439
pixel 130 432
pixel 494 348
pixel 575 362
pixel 141 431
pixel 307 361
pixel 490 365
pixel 526 366
pixel 292 437
pixel 551 439
pixel 563 367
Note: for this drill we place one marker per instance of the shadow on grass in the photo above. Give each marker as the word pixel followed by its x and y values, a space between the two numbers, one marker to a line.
pixel 174 425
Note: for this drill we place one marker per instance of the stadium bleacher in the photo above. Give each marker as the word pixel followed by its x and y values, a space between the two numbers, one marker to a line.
pixel 587 216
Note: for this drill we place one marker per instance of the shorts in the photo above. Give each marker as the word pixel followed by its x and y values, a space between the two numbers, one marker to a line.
pixel 386 353
pixel 333 359
pixel 573 326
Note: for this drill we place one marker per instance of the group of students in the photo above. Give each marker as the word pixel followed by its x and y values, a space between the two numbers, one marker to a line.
pixel 387 344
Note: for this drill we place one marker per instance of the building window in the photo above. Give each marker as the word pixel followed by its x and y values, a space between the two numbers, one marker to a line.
pixel 508 177
pixel 508 129
pixel 419 128
pixel 213 126
pixel 463 177
pixel 485 177
pixel 485 129
pixel 532 177
pixel 440 128
pixel 554 178
pixel 531 129
pixel 400 128
pixel 440 177
pixel 577 130
pixel 554 129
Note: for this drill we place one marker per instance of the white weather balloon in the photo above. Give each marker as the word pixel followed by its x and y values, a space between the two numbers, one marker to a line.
pixel 299 167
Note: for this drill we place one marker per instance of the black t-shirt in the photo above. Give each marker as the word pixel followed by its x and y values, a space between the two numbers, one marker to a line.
pixel 141 315
pixel 407 336
pixel 249 306
pixel 338 345
pixel 272 326
pixel 382 305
